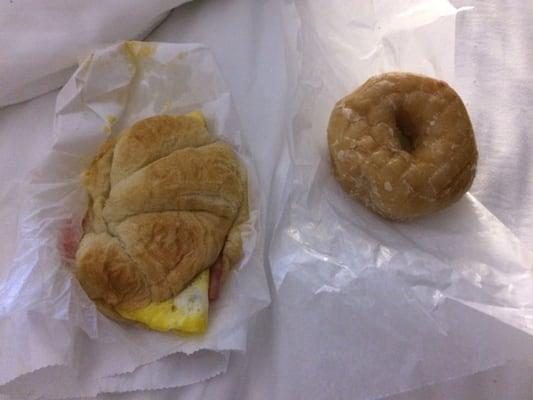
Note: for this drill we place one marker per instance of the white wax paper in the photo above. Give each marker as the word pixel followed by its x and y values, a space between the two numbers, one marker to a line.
pixel 51 331
pixel 393 306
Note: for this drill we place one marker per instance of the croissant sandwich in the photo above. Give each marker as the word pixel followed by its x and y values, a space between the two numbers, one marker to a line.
pixel 167 205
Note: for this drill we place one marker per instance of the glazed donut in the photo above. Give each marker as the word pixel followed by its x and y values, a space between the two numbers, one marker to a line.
pixel 402 144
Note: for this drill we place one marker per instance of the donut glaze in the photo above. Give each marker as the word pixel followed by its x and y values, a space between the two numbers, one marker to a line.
pixel 402 145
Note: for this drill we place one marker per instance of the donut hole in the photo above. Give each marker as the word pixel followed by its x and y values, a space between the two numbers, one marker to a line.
pixel 406 131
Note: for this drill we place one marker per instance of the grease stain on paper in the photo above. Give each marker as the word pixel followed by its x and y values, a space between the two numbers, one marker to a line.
pixel 140 50
pixel 110 121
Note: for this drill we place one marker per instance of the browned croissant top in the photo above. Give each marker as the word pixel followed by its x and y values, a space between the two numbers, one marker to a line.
pixel 165 200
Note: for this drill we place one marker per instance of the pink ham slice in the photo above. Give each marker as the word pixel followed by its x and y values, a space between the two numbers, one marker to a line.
pixel 215 277
pixel 69 239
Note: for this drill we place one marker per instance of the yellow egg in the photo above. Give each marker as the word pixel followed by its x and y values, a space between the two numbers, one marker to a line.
pixel 198 115
pixel 187 313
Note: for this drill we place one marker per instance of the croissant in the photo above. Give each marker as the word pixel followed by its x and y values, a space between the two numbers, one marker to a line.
pixel 167 200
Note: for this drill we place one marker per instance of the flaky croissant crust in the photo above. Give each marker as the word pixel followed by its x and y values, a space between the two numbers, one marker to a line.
pixel 166 199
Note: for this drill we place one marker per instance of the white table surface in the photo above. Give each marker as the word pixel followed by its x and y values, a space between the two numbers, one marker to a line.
pixel 494 54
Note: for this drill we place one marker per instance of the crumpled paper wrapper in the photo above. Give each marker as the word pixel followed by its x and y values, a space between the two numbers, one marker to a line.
pixel 42 40
pixel 394 306
pixel 51 330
